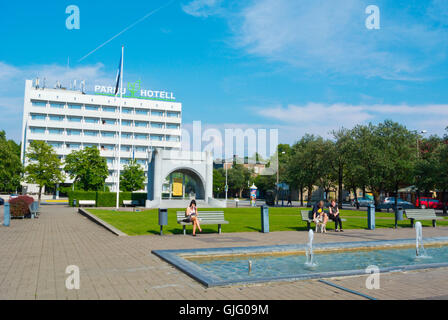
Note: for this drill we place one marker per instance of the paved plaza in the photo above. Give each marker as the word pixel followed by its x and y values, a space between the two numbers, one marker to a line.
pixel 35 253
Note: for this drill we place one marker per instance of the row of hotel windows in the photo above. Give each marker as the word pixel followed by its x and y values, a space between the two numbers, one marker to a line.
pixel 102 147
pixel 126 123
pixel 126 110
pixel 104 134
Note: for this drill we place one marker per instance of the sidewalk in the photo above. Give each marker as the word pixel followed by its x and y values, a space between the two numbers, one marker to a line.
pixel 35 253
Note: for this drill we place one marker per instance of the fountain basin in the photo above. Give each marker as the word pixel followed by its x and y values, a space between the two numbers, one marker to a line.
pixel 229 266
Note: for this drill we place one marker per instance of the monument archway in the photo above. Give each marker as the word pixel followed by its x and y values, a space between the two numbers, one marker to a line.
pixel 176 174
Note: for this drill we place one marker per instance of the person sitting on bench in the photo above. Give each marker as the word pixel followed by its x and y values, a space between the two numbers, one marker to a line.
pixel 191 214
pixel 319 216
pixel 334 215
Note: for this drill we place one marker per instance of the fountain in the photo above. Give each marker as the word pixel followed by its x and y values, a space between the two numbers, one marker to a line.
pixel 309 250
pixel 420 251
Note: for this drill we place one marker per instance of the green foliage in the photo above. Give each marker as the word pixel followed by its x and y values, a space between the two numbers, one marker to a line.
pixel 132 177
pixel 238 177
pixel 44 165
pixel 10 166
pixel 87 168
pixel 105 199
pixel 219 181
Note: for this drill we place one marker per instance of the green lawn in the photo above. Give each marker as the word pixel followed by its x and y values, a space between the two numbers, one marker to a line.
pixel 240 220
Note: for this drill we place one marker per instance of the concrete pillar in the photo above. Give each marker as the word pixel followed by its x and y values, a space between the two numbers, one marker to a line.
pixel 158 179
pixel 208 176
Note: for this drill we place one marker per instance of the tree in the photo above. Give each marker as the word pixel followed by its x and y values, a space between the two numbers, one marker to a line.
pixel 238 177
pixel 398 144
pixel 87 168
pixel 340 156
pixel 44 166
pixel 219 181
pixel 132 177
pixel 11 168
pixel 432 168
pixel 441 183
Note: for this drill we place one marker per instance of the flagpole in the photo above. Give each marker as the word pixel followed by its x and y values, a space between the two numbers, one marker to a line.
pixel 119 130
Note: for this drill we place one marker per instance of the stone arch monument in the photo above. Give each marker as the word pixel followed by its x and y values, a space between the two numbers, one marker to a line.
pixel 175 177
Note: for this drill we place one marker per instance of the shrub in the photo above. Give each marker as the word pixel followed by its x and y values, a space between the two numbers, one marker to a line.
pixel 80 195
pixel 105 199
pixel 19 206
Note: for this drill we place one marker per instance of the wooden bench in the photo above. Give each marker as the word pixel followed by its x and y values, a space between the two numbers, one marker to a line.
pixel 205 217
pixel 307 215
pixel 131 203
pixel 421 214
pixel 87 203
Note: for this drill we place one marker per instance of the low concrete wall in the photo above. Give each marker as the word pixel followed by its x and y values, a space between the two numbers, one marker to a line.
pixel 102 223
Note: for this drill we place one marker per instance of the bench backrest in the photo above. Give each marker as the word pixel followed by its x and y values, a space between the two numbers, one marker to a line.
pixel 423 214
pixel 87 201
pixel 209 216
pixel 307 215
pixel 131 202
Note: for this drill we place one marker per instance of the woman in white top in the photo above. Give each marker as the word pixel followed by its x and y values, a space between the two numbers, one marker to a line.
pixel 192 215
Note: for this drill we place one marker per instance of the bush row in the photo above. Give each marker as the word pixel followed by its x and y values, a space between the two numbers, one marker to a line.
pixel 105 199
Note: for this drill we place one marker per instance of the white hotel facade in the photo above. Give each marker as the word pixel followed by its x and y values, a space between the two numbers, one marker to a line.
pixel 72 120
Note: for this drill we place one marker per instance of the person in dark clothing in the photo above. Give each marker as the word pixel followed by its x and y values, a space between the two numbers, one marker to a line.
pixel 289 200
pixel 319 215
pixel 335 216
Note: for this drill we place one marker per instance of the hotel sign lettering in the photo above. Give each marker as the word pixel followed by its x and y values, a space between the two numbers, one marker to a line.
pixel 134 90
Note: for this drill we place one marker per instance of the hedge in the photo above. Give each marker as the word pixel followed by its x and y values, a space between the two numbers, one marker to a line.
pixel 19 206
pixel 105 199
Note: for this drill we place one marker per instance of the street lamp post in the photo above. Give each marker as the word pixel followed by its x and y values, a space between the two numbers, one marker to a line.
pixel 276 194
pixel 418 156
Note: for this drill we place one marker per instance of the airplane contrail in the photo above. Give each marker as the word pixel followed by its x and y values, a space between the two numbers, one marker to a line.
pixel 126 29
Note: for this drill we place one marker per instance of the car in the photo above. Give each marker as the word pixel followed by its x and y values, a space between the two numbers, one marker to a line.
pixel 389 203
pixel 429 203
pixel 2 202
pixel 363 202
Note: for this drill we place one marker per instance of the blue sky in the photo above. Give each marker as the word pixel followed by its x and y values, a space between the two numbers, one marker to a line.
pixel 296 65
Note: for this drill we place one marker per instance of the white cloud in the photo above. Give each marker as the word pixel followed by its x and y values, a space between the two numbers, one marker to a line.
pixel 202 8
pixel 330 36
pixel 316 118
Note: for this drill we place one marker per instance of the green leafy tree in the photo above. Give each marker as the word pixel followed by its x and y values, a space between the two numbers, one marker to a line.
pixel 132 177
pixel 44 166
pixel 238 177
pixel 432 168
pixel 399 148
pixel 219 181
pixel 87 168
pixel 11 168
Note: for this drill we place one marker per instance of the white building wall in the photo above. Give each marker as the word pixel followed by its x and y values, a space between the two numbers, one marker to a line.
pixel 68 128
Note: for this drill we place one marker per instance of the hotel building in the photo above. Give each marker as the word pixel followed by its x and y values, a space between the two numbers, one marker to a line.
pixel 72 120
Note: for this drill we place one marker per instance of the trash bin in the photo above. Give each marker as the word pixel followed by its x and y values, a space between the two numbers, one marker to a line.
pixel 371 216
pixel 163 219
pixel 264 219
pixel 398 216
pixel 6 214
